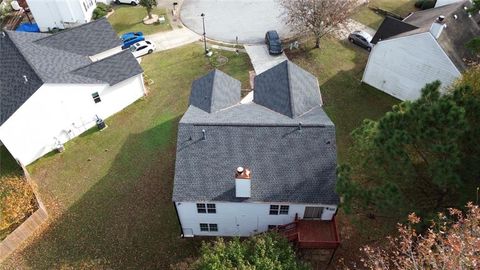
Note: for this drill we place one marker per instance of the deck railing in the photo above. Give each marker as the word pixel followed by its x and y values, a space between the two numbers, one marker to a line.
pixel 290 231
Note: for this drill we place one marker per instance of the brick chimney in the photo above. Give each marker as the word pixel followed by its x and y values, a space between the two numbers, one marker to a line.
pixel 243 183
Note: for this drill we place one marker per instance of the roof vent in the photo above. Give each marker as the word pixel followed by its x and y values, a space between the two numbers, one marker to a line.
pixel 455 16
pixel 242 183
pixel 440 18
pixel 204 135
pixel 3 34
pixel 25 78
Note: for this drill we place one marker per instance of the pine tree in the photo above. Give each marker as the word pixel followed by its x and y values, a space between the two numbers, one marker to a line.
pixel 418 157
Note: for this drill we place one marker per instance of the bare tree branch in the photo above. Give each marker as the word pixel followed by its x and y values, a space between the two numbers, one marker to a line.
pixel 319 17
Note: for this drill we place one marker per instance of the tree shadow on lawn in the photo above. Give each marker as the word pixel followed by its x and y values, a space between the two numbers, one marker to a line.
pixel 127 219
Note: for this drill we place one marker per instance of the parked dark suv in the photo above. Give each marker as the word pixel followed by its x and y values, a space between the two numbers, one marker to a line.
pixel 273 43
pixel 362 39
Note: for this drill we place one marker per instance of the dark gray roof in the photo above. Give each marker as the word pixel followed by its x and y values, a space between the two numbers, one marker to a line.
pixel 59 58
pixel 215 91
pixel 113 69
pixel 457 33
pixel 291 159
pixel 51 65
pixel 87 39
pixel 391 27
pixel 287 89
pixel 14 90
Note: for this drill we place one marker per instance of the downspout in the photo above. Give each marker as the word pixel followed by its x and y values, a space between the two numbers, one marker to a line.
pixel 178 218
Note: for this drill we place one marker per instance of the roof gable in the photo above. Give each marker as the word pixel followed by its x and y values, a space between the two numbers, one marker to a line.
pixel 15 89
pixel 459 28
pixel 87 39
pixel 215 91
pixel 113 69
pixel 391 27
pixel 287 89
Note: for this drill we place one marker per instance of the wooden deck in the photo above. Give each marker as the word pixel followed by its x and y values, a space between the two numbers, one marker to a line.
pixel 312 233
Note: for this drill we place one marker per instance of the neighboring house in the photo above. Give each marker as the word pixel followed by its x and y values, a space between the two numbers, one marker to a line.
pixel 53 87
pixel 426 46
pixel 243 167
pixel 61 14
pixel 441 3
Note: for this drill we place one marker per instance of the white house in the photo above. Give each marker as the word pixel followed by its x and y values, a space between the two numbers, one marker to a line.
pixel 53 87
pixel 243 167
pixel 440 3
pixel 61 14
pixel 426 46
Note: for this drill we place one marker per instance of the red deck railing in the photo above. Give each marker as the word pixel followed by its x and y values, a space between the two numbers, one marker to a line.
pixel 312 233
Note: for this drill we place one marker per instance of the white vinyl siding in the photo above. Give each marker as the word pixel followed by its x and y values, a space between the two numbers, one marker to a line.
pixel 401 67
pixel 241 219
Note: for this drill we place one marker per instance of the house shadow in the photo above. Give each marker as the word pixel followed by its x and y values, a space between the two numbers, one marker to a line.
pixel 127 219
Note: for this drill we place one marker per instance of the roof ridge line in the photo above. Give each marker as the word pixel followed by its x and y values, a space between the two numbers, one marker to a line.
pixel 99 61
pixel 72 28
pixel 290 94
pixel 212 95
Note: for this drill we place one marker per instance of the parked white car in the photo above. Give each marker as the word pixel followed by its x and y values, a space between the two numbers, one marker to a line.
pixel 131 2
pixel 141 48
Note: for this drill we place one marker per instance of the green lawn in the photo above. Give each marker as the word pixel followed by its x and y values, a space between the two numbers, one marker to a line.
pixel 110 192
pixel 129 19
pixel 368 17
pixel 8 165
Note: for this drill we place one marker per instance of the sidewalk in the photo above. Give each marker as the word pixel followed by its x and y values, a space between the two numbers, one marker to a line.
pixel 172 39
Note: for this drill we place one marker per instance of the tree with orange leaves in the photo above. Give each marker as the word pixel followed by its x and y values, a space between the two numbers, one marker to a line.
pixel 451 242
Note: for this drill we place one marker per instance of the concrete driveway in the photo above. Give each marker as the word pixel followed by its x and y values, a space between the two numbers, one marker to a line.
pixel 261 59
pixel 226 19
pixel 172 39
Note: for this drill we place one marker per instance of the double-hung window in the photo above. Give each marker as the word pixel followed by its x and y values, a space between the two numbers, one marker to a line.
pixel 279 209
pixel 203 208
pixel 208 227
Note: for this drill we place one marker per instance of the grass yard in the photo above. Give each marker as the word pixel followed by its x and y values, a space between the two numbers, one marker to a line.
pixel 8 165
pixel 368 17
pixel 110 192
pixel 129 19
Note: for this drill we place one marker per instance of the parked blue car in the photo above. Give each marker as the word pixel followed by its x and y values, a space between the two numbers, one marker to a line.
pixel 131 38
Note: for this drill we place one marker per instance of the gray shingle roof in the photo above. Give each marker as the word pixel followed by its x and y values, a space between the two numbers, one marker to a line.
pixel 290 162
pixel 455 36
pixel 14 91
pixel 87 39
pixel 391 27
pixel 215 91
pixel 287 89
pixel 113 69
pixel 59 58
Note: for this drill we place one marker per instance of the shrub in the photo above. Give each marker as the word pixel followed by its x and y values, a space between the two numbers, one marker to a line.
pixel 16 202
pixel 419 3
pixel 265 251
pixel 425 4
pixel 101 11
